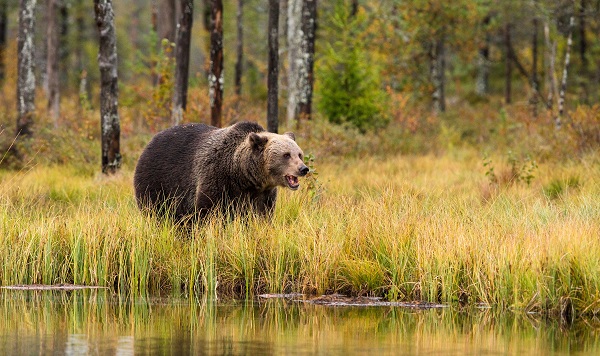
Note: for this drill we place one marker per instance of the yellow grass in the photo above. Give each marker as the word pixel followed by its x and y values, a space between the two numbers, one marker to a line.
pixel 406 228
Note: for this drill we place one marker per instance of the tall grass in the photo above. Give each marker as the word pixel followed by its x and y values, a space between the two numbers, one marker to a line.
pixel 404 228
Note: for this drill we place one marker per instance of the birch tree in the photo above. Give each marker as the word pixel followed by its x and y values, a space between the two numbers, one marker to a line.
pixel 182 56
pixel 52 58
pixel 25 74
pixel 294 39
pixel 563 83
pixel 551 81
pixel 301 52
pixel 215 73
pixel 273 67
pixel 109 90
pixel 307 50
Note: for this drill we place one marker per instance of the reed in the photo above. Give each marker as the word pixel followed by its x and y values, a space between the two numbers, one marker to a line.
pixel 431 228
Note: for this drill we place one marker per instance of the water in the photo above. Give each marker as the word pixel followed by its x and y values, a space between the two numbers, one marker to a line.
pixel 96 322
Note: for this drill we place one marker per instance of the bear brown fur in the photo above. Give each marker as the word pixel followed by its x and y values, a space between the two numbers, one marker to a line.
pixel 190 170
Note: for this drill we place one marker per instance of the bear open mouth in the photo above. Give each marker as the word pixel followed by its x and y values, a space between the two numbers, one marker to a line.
pixel 292 182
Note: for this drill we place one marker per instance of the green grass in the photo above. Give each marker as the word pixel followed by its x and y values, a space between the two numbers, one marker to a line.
pixel 428 228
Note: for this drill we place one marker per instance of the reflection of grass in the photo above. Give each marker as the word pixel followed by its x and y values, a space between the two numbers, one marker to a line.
pixel 50 322
pixel 408 228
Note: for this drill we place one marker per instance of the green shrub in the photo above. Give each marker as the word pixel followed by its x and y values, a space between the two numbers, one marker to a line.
pixel 350 87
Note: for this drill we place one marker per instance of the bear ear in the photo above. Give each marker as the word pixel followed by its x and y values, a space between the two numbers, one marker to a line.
pixel 290 135
pixel 257 141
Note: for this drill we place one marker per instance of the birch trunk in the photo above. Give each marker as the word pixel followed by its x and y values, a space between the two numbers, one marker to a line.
pixel 295 60
pixel 307 53
pixel 563 84
pixel 52 53
pixel 182 56
pixel 273 75
pixel 239 66
pixel 109 90
pixel 26 77
pixel 215 73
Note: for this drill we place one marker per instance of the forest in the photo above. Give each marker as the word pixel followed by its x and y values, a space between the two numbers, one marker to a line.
pixel 453 146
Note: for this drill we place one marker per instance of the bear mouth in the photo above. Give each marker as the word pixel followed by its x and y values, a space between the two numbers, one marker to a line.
pixel 292 182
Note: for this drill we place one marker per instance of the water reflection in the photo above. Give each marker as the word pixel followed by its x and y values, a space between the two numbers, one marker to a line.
pixel 98 322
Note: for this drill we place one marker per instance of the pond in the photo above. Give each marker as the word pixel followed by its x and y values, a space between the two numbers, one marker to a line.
pixel 83 322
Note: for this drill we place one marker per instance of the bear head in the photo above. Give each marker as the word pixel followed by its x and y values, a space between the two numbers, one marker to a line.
pixel 283 159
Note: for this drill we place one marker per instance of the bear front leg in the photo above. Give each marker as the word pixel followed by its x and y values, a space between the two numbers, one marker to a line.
pixel 204 204
pixel 264 205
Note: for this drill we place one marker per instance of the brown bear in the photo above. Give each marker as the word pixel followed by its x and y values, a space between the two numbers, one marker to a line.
pixel 191 170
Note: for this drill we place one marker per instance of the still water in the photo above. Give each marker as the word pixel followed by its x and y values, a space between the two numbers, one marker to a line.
pixel 97 322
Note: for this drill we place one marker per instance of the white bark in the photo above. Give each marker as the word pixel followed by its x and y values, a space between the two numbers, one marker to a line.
pixel 294 38
pixel 109 89
pixel 563 84
pixel 26 77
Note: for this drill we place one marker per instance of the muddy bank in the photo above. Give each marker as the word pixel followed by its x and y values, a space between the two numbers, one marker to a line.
pixel 343 300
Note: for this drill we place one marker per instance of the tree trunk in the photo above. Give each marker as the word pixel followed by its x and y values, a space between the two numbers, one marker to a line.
pixel 508 65
pixel 552 82
pixel 63 43
pixel 582 39
pixel 483 61
pixel 534 67
pixel 26 77
pixel 563 83
pixel 182 56
pixel 273 75
pixel 215 75
pixel 534 55
pixel 295 59
pixel 239 62
pixel 52 53
pixel 438 64
pixel 3 30
pixel 583 52
pixel 353 8
pixel 166 20
pixel 207 14
pixel 307 53
pixel 80 26
pixel 109 89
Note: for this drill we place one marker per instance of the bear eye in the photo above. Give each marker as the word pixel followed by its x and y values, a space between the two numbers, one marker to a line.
pixel 300 155
pixel 287 155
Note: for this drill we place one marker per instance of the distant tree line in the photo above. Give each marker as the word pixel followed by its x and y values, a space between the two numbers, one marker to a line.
pixel 359 50
pixel 171 21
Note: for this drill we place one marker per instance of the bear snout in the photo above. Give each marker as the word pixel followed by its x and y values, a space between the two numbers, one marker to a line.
pixel 304 170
